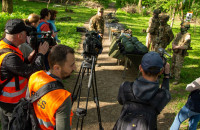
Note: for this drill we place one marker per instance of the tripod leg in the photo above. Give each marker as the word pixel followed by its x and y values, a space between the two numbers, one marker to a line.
pixel 97 100
pixel 74 93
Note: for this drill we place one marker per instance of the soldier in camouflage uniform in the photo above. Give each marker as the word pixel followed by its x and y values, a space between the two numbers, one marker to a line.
pixel 152 30
pixel 180 46
pixel 165 34
pixel 97 23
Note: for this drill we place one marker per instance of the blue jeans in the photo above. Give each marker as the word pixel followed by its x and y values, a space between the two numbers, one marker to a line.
pixel 184 114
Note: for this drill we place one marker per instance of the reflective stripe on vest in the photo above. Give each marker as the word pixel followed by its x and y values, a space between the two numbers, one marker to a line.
pixel 9 93
pixel 45 108
pixel 46 124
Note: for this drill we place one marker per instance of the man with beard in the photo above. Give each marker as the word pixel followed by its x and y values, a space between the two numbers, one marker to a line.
pixel 180 46
pixel 152 30
pixel 53 110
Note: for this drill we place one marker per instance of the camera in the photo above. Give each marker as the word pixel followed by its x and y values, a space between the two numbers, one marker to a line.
pixel 37 38
pixel 162 53
pixel 91 45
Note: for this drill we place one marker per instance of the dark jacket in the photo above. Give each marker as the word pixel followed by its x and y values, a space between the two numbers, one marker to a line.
pixel 13 65
pixel 193 99
pixel 145 98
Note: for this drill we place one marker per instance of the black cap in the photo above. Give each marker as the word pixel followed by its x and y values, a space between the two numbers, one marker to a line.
pixel 15 26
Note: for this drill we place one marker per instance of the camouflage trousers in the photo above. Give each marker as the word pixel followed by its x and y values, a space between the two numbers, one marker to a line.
pixel 150 41
pixel 177 63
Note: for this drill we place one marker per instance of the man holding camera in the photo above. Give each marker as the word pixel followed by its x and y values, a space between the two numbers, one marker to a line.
pixel 53 110
pixel 180 46
pixel 142 99
pixel 15 69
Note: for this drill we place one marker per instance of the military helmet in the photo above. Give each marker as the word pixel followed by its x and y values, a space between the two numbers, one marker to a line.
pixel 185 24
pixel 157 11
pixel 164 17
pixel 100 9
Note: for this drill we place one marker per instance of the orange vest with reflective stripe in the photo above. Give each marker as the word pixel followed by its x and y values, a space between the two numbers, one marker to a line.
pixel 9 92
pixel 45 108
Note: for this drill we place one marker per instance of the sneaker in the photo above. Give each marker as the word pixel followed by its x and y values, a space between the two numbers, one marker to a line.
pixel 175 83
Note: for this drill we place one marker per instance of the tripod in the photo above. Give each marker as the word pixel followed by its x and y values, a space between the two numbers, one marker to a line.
pixel 82 112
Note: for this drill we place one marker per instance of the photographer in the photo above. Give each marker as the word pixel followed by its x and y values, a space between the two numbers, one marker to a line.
pixel 32 21
pixel 56 112
pixel 15 70
pixel 142 99
pixel 191 109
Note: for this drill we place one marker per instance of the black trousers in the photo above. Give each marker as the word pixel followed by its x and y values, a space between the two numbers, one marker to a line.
pixel 5 119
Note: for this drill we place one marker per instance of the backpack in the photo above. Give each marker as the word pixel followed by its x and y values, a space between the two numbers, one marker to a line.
pixel 24 117
pixel 133 119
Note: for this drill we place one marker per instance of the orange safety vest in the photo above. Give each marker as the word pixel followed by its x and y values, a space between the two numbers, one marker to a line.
pixel 45 108
pixel 9 93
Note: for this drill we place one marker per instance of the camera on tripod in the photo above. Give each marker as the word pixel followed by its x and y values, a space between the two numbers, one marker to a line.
pixel 37 38
pixel 162 53
pixel 92 45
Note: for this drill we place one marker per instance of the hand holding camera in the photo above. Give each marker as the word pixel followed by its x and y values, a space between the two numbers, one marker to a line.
pixel 43 48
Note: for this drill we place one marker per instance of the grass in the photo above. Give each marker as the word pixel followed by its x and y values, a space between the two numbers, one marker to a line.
pixel 68 34
pixel 190 70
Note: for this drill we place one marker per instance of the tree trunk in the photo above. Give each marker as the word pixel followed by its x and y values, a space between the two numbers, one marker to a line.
pixel 48 3
pixel 181 8
pixel 173 16
pixel 174 13
pixel 140 6
pixel 7 6
pixel 193 2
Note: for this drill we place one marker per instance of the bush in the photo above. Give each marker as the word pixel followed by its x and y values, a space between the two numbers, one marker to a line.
pixel 4 17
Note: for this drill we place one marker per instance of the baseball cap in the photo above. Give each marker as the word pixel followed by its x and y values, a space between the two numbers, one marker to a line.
pixel 152 59
pixel 15 26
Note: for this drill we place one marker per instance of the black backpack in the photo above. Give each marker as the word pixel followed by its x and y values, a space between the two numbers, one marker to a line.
pixel 23 117
pixel 130 118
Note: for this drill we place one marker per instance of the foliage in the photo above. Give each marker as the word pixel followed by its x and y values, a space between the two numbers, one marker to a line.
pixel 102 2
pixel 68 34
pixel 196 8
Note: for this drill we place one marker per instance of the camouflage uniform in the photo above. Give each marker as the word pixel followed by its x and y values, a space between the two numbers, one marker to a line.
pixel 183 40
pixel 97 23
pixel 152 30
pixel 165 34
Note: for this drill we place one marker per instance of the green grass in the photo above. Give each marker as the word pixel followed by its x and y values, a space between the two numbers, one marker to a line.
pixel 68 34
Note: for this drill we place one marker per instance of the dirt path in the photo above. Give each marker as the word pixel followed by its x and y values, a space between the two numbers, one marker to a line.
pixel 109 78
